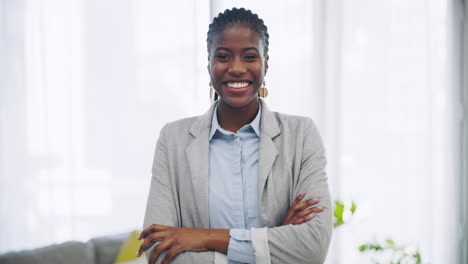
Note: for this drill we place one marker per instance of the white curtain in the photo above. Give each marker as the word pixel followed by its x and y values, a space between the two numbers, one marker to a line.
pixel 397 110
pixel 86 86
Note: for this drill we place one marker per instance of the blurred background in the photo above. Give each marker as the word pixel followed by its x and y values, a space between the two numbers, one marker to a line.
pixel 86 85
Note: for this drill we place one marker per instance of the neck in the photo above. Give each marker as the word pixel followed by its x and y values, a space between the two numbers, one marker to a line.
pixel 234 118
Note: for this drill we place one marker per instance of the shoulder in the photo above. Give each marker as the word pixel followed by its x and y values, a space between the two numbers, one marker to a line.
pixel 299 130
pixel 190 125
pixel 178 132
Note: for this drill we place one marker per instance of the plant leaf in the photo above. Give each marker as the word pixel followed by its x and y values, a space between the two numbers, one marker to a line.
pixel 353 207
pixel 338 213
pixel 390 242
pixel 417 257
pixel 362 248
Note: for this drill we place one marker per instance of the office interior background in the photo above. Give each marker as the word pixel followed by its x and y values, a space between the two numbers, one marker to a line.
pixel 86 85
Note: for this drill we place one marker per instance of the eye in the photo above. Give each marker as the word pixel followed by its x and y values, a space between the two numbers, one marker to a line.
pixel 222 57
pixel 250 57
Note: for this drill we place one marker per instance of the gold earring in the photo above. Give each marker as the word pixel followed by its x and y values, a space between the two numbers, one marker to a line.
pixel 263 92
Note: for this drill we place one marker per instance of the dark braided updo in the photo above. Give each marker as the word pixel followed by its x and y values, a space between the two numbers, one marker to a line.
pixel 238 16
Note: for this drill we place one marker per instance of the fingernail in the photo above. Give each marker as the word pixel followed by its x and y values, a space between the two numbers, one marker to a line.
pixel 310 216
pixel 316 199
pixel 302 194
pixel 137 254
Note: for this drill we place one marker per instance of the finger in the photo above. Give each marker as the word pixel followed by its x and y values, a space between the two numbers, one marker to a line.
pixel 307 203
pixel 158 250
pixel 141 249
pixel 298 198
pixel 304 219
pixel 306 212
pixel 293 205
pixel 171 254
pixel 149 241
pixel 145 232
pixel 151 229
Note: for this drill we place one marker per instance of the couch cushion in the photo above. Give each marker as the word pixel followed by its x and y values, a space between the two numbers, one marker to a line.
pixel 127 253
pixel 69 252
pixel 106 248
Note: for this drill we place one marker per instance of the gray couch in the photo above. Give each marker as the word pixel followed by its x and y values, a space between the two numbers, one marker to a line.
pixel 100 250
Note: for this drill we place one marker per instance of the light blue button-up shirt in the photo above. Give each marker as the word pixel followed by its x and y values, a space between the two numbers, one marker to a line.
pixel 233 185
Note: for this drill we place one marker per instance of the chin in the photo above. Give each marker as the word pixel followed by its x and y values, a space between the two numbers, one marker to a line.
pixel 238 102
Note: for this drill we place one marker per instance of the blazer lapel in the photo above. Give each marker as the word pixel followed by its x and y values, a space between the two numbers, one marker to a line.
pixel 197 154
pixel 198 157
pixel 268 152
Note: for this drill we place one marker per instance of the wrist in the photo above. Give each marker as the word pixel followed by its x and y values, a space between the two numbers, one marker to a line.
pixel 217 240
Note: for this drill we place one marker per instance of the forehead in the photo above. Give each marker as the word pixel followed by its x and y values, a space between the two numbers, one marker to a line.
pixel 237 35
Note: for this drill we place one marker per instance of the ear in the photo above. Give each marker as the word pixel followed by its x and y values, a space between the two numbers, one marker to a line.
pixel 208 65
pixel 266 66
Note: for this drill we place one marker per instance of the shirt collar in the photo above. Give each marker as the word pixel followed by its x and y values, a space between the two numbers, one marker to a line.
pixel 255 124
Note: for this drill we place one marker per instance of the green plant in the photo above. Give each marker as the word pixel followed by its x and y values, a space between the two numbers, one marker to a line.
pixel 389 252
pixel 340 209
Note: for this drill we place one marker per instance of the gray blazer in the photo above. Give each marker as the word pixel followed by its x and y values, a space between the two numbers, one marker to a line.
pixel 291 161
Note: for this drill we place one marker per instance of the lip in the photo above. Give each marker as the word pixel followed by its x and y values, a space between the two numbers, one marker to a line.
pixel 237 91
pixel 237 80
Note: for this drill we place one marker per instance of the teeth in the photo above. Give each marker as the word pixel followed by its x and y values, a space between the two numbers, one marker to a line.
pixel 237 84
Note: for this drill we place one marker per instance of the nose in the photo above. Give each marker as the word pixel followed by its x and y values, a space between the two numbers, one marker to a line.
pixel 237 67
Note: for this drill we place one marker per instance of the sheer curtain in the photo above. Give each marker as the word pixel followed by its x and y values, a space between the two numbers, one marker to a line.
pixel 383 81
pixel 86 86
pixel 398 111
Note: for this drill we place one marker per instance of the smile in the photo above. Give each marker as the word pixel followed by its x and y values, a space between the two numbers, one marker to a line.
pixel 237 84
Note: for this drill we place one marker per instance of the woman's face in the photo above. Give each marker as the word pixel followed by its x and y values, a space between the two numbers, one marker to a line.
pixel 237 65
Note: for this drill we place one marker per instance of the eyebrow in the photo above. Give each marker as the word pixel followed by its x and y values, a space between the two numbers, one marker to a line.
pixel 243 50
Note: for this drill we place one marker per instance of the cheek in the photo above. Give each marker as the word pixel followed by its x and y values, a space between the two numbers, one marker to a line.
pixel 260 72
pixel 216 76
pixel 216 71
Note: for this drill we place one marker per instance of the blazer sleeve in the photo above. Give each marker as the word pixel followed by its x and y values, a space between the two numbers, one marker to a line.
pixel 308 242
pixel 162 205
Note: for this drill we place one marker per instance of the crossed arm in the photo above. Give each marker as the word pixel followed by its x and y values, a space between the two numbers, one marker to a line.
pixel 298 240
pixel 178 239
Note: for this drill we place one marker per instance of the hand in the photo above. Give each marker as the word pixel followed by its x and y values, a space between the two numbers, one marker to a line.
pixel 299 212
pixel 173 239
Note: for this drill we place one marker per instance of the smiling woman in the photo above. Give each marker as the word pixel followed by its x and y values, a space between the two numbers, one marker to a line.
pixel 240 183
pixel 85 86
pixel 237 66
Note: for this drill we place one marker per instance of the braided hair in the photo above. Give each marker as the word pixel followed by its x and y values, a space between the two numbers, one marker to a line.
pixel 238 16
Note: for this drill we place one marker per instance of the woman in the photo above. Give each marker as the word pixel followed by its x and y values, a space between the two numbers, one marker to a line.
pixel 240 183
